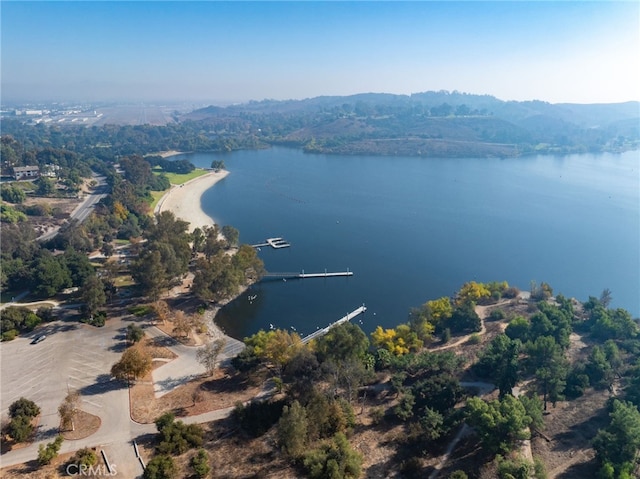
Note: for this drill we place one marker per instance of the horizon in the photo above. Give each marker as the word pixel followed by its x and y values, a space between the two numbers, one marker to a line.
pixel 223 53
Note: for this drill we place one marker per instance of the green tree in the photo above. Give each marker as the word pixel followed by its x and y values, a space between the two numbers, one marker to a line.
pixel 23 407
pixel 134 333
pixel 93 295
pixel 161 467
pixel 547 358
pixel 230 234
pixel 46 187
pixel 342 342
pixel 618 444
pixel 499 423
pixel 217 165
pixel 336 460
pixel 49 275
pixel 292 430
pixel 499 362
pixel 149 273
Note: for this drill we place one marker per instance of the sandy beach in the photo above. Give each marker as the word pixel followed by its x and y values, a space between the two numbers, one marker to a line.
pixel 184 200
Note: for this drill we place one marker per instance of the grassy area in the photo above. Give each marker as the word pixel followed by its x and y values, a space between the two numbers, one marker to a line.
pixel 174 179
pixel 178 179
pixel 140 310
pixel 156 195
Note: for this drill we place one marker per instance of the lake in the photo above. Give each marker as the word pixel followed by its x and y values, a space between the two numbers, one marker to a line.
pixel 415 229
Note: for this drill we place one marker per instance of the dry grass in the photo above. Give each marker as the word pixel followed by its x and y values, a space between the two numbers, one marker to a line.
pixel 85 425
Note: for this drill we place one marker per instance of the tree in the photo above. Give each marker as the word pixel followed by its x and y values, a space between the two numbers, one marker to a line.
pixel 132 365
pixel 46 187
pixel 472 292
pixel 464 318
pixel 231 235
pixel 22 413
pixel 499 361
pixel 182 324
pixel 149 273
pixel 618 444
pixel 208 355
pixel 547 358
pixel 336 460
pixel 93 295
pixel 68 409
pixel 341 342
pixel 293 430
pixel 23 407
pixel 134 333
pixel 217 164
pixel 499 423
pixel 49 274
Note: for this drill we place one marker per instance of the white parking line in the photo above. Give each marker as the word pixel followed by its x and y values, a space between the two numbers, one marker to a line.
pixel 88 381
pixel 92 403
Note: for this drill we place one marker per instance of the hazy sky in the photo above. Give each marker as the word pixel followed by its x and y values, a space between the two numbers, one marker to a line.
pixel 584 52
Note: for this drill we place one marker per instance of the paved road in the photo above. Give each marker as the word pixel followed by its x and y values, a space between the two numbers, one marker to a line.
pixel 72 357
pixel 83 210
pixel 186 366
pixel 79 357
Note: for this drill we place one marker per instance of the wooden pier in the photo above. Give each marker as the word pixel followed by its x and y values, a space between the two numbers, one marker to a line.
pixel 344 319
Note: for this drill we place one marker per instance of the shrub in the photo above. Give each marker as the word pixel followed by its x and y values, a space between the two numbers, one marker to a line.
pixel 200 464
pixel 474 339
pixel 160 467
pixel 84 458
pixel 47 453
pixel 376 414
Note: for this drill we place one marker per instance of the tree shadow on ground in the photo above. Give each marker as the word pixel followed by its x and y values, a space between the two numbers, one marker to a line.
pixel 171 383
pixel 583 470
pixel 103 384
pixel 164 341
pixel 230 382
pixel 581 434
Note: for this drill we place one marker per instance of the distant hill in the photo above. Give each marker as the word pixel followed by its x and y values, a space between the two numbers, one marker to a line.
pixel 428 124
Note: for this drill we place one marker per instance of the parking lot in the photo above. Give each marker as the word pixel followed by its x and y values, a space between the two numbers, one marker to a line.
pixel 72 357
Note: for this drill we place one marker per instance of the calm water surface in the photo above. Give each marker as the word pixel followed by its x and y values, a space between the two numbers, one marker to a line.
pixel 415 229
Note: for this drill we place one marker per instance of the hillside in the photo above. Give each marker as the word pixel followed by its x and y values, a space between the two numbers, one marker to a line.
pixel 430 124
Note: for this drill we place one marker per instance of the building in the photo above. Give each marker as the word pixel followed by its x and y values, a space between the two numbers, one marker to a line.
pixel 25 172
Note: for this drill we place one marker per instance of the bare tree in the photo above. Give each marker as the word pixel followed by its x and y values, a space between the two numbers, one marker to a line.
pixel 208 355
pixel 67 410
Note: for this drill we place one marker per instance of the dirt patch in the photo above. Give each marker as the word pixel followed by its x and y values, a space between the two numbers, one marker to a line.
pixel 571 426
pixel 222 390
pixel 85 425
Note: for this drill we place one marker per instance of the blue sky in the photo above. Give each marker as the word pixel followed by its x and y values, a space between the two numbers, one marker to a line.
pixel 585 52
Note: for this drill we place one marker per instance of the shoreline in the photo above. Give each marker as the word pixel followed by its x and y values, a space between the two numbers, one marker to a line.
pixel 184 200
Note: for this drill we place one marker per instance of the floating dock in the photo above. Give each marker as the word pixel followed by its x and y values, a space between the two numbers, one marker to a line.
pixel 304 275
pixel 275 243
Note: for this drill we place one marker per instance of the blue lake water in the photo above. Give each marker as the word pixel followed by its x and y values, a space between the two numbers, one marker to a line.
pixel 415 229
